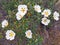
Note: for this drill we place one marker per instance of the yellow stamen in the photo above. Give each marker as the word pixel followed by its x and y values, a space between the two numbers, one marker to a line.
pixel 23 9
pixel 28 33
pixel 46 13
pixel 11 34
pixel 6 24
pixel 45 20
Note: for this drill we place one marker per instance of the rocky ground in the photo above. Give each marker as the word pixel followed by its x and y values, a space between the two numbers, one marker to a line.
pixel 51 35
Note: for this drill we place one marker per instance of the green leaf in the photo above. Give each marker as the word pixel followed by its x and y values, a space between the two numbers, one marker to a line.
pixel 1 36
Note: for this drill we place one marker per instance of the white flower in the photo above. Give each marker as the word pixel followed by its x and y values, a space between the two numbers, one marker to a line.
pixel 19 16
pixel 10 35
pixel 4 23
pixel 45 21
pixel 22 9
pixel 46 12
pixel 56 15
pixel 56 18
pixel 37 8
pixel 28 34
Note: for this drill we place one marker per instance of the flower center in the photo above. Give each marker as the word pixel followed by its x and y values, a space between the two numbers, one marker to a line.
pixel 11 34
pixel 45 20
pixel 37 9
pixel 46 13
pixel 23 9
pixel 28 33
pixel 6 24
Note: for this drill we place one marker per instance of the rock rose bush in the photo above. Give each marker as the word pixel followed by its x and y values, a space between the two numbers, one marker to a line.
pixel 23 18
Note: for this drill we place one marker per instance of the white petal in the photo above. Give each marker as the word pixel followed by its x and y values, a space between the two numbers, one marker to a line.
pixel 20 8
pixel 18 18
pixel 37 8
pixel 56 14
pixel 3 26
pixel 56 18
pixel 7 37
pixel 28 36
pixel 4 23
pixel 44 12
pixel 7 33
pixel 18 13
pixel 46 22
pixel 28 31
pixel 12 38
